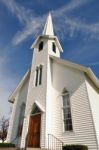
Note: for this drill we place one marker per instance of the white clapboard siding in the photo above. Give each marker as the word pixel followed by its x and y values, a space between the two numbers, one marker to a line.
pixel 37 93
pixel 19 99
pixel 93 95
pixel 83 127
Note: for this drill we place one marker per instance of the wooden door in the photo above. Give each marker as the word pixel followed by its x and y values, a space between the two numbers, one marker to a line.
pixel 34 131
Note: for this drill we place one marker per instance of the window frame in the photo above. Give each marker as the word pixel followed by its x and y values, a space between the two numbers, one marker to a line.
pixel 40 74
pixel 64 93
pixel 41 45
pixel 21 119
pixel 54 47
pixel 36 76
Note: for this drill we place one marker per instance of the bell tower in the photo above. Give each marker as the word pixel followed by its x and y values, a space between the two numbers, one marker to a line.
pixel 48 40
pixel 40 79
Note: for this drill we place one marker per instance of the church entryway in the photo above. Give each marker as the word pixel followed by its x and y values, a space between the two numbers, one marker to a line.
pixel 34 131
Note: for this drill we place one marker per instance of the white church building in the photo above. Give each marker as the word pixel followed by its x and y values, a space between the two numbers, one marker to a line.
pixel 56 102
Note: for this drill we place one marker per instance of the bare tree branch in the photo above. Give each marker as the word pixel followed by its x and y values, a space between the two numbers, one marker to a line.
pixel 4 123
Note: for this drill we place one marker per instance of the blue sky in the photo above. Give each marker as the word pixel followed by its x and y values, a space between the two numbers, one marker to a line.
pixel 76 23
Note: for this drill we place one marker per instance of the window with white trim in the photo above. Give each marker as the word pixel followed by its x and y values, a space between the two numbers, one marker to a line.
pixel 38 75
pixel 67 118
pixel 21 119
pixel 36 79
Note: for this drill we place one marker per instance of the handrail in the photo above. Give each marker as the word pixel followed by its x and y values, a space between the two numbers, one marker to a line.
pixel 56 137
pixel 54 143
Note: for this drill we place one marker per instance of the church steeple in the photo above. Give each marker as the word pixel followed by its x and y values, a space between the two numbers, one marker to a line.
pixel 48 28
pixel 53 45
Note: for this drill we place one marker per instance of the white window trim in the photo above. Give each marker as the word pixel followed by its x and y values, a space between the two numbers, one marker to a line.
pixel 71 131
pixel 38 76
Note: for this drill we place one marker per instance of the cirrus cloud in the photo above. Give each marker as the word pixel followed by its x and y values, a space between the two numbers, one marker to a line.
pixel 32 24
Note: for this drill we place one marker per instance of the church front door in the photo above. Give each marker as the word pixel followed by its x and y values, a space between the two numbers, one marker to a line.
pixel 34 131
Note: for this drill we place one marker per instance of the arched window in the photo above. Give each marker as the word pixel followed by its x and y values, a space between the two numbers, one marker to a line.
pixel 67 111
pixel 38 75
pixel 21 119
pixel 41 46
pixel 53 47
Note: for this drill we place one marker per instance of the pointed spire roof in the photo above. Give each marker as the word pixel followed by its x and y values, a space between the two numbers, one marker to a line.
pixel 48 33
pixel 48 28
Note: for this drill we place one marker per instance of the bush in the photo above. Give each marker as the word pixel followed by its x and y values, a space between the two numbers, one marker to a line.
pixel 7 145
pixel 75 147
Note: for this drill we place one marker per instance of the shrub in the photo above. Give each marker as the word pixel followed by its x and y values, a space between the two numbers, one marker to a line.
pixel 75 147
pixel 7 145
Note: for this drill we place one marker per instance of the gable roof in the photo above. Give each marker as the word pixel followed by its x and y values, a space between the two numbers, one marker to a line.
pixel 25 77
pixel 39 106
pixel 84 69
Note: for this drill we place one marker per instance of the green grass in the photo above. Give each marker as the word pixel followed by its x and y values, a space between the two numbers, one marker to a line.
pixel 7 145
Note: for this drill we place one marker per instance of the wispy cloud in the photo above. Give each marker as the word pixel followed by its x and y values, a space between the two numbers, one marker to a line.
pixel 71 26
pixel 34 26
pixel 65 24
pixel 23 15
pixel 93 63
pixel 31 23
pixel 73 4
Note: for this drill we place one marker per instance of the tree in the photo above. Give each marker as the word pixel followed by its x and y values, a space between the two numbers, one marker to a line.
pixel 4 123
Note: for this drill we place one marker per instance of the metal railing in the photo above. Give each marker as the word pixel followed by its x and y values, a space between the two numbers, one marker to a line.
pixel 54 143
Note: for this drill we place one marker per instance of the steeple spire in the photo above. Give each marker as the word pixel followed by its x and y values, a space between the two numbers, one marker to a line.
pixel 48 34
pixel 48 28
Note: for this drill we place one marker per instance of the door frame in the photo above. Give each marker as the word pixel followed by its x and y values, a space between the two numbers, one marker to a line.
pixel 40 113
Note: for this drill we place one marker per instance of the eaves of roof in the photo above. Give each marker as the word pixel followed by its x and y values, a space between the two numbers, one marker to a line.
pixel 25 77
pixel 84 69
